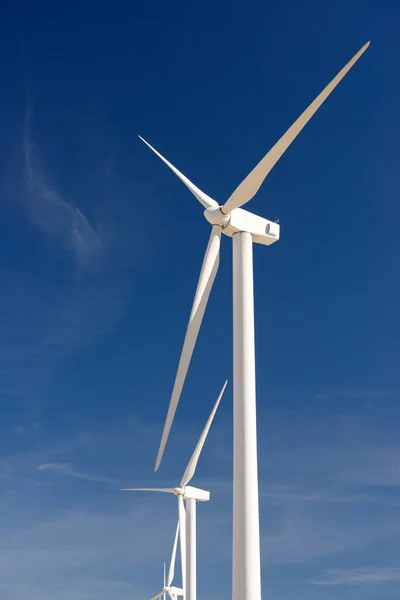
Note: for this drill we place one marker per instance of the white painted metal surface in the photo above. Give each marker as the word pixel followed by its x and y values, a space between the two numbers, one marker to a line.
pixel 164 582
pixel 252 183
pixel 246 576
pixel 191 495
pixel 207 275
pixel 168 589
pixel 263 231
pixel 191 570
pixel 245 228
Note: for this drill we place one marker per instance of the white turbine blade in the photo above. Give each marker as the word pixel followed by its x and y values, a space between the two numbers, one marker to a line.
pixel 170 595
pixel 182 532
pixel 166 490
pixel 176 591
pixel 207 275
pixel 191 468
pixel 251 184
pixel 171 571
pixel 205 200
pixel 158 595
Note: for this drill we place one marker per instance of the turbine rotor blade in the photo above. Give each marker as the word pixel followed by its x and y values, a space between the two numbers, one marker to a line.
pixel 171 570
pixel 169 593
pixel 182 540
pixel 207 275
pixel 252 183
pixel 166 490
pixel 158 595
pixel 191 468
pixel 205 200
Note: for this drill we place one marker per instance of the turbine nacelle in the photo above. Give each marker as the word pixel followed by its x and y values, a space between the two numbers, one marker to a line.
pixel 192 493
pixel 262 230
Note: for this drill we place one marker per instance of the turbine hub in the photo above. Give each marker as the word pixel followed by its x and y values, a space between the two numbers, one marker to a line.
pixel 216 217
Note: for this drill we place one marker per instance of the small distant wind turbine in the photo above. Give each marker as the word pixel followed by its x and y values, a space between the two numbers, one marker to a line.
pixel 245 228
pixel 168 589
pixel 187 519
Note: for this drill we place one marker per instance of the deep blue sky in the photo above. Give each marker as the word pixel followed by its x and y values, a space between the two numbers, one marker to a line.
pixel 100 249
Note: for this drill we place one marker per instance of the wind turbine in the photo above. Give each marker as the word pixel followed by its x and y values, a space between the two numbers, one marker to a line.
pixel 187 519
pixel 169 589
pixel 244 227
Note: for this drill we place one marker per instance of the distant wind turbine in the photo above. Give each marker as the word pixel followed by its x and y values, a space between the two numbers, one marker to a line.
pixel 187 519
pixel 168 589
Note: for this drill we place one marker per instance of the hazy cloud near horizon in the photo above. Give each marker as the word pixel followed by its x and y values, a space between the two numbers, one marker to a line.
pixel 312 512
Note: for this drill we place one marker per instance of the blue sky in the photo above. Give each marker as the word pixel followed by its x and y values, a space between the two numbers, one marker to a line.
pixel 100 249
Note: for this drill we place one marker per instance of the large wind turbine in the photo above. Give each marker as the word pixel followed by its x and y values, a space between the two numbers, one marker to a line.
pixel 187 519
pixel 244 227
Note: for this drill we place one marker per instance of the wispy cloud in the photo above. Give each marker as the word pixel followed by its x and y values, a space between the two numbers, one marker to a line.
pixel 353 394
pixel 56 216
pixel 50 315
pixel 360 576
pixel 101 543
pixel 87 553
pixel 96 540
pixel 67 469
pixel 301 536
pixel 53 309
pixel 329 484
pixel 290 493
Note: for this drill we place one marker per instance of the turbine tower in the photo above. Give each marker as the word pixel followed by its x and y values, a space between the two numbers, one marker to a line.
pixel 187 519
pixel 245 228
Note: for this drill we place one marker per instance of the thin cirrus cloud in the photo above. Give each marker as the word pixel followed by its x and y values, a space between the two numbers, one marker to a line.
pixel 55 216
pixel 85 553
pixel 71 523
pixel 359 576
pixel 45 320
pixel 67 469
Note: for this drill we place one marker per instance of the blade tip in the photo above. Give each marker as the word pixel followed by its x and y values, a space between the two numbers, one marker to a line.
pixel 366 45
pixel 161 450
pixel 144 142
